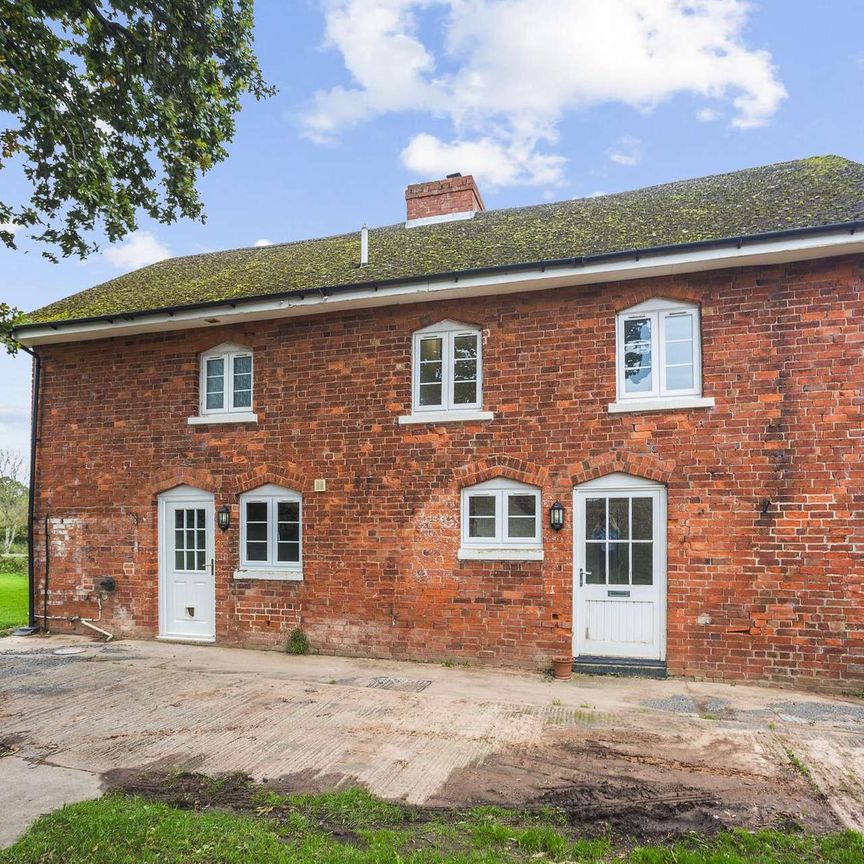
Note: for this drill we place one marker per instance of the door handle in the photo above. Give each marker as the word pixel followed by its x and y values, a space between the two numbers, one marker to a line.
pixel 583 573
pixel 212 566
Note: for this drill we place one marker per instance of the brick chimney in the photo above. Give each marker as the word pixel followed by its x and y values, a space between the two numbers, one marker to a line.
pixel 454 197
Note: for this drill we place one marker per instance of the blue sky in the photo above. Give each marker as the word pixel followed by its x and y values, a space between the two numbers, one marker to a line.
pixel 540 99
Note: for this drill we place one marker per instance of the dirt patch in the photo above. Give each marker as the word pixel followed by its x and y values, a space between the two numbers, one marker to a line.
pixel 641 786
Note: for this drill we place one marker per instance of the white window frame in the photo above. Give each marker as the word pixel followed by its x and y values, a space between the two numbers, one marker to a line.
pixel 272 495
pixel 448 410
pixel 226 352
pixel 659 397
pixel 501 547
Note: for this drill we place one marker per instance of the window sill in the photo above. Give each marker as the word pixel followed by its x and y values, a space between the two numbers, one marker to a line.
pixel 445 417
pixel 669 403
pixel 227 417
pixel 270 575
pixel 473 553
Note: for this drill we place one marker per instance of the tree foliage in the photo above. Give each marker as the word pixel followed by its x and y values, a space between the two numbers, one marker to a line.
pixel 9 315
pixel 117 107
pixel 13 498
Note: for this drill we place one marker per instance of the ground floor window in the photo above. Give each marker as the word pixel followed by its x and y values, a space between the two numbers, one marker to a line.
pixel 271 529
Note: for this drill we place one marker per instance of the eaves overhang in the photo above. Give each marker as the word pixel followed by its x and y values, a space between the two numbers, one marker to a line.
pixel 756 250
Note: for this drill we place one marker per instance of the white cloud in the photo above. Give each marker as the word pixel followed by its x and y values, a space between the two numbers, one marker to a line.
pixel 263 242
pixel 11 227
pixel 509 70
pixel 627 151
pixel 141 249
pixel 707 115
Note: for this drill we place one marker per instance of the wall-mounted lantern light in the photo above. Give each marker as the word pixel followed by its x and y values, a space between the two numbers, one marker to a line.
pixel 556 516
pixel 224 517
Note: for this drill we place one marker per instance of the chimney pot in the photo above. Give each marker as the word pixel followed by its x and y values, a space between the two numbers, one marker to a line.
pixel 455 197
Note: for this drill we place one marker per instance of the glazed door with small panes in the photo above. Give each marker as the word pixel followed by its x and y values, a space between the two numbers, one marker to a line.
pixel 188 582
pixel 620 579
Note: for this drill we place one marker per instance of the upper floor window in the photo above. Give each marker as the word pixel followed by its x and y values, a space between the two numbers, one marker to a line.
pixel 501 520
pixel 659 356
pixel 271 534
pixel 226 380
pixel 447 373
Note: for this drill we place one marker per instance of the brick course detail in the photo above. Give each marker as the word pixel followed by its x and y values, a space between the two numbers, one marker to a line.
pixel 765 490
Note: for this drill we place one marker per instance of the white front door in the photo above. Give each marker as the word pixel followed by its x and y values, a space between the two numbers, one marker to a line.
pixel 620 568
pixel 187 592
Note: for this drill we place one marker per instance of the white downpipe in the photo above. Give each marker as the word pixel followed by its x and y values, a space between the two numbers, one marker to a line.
pixel 87 622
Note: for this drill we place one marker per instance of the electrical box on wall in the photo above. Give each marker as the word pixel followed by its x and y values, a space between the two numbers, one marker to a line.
pixel 320 485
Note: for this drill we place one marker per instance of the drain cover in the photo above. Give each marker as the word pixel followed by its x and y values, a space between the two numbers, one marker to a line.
pixel 398 684
pixel 69 649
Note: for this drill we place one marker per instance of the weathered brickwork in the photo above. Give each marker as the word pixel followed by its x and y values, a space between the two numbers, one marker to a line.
pixel 779 583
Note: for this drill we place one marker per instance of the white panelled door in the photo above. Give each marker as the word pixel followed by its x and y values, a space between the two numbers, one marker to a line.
pixel 187 592
pixel 620 568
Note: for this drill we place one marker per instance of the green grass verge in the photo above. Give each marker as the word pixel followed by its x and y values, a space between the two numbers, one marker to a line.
pixel 354 828
pixel 13 600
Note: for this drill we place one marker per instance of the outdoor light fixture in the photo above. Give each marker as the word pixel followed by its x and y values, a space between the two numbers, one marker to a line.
pixel 556 516
pixel 224 517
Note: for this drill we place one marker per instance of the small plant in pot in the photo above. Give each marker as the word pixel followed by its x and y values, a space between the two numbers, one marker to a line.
pixel 562 668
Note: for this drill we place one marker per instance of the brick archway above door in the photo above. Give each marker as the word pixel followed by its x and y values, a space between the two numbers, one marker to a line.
pixel 279 475
pixel 170 478
pixel 647 465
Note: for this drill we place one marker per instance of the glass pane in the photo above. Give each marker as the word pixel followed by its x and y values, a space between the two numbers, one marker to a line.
pixel 215 399
pixel 521 526
pixel 679 327
pixel 256 551
pixel 481 505
pixel 256 511
pixel 216 367
pixel 199 518
pixel 288 552
pixel 190 538
pixel 200 560
pixel 430 394
pixel 430 349
pixel 190 560
pixel 178 560
pixel 619 518
pixel 289 511
pixel 465 393
pixel 595 519
pixel 465 370
pixel 521 505
pixel 637 355
pixel 178 518
pixel 619 563
pixel 643 563
pixel 200 542
pixel 465 348
pixel 678 353
pixel 643 521
pixel 595 563
pixel 242 398
pixel 242 365
pixel 256 531
pixel 481 526
pixel 179 537
pixel 679 378
pixel 430 373
pixel 289 531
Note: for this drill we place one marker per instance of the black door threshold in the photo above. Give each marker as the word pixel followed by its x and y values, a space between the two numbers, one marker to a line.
pixel 623 667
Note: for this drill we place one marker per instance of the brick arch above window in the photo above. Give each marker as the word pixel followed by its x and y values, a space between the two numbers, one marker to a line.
pixel 287 476
pixel 170 478
pixel 647 465
pixel 510 467
pixel 672 293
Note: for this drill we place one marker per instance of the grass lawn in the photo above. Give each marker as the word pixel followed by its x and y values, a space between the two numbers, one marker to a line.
pixel 352 827
pixel 13 600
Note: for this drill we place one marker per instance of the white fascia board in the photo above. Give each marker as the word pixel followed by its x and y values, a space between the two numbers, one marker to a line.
pixel 315 302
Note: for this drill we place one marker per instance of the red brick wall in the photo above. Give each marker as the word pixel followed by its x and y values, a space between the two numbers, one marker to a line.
pixel 442 197
pixel 783 351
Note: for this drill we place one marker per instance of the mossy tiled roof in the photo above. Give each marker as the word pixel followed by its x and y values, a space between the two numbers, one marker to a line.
pixel 804 194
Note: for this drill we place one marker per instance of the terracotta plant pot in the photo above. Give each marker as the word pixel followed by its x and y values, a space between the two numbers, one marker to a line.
pixel 562 668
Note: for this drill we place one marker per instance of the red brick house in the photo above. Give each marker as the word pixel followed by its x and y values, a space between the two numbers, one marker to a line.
pixel 626 428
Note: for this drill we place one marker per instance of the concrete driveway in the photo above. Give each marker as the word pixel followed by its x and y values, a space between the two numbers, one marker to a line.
pixel 676 754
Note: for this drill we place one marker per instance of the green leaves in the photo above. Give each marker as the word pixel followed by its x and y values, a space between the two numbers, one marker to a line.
pixel 9 317
pixel 119 106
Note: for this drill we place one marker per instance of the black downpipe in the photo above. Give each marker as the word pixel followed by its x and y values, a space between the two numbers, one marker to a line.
pixel 31 504
pixel 45 592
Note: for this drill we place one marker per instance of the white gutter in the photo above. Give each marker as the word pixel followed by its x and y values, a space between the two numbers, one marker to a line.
pixel 315 302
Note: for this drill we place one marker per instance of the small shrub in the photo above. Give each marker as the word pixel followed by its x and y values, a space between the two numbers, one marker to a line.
pixel 13 564
pixel 297 643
